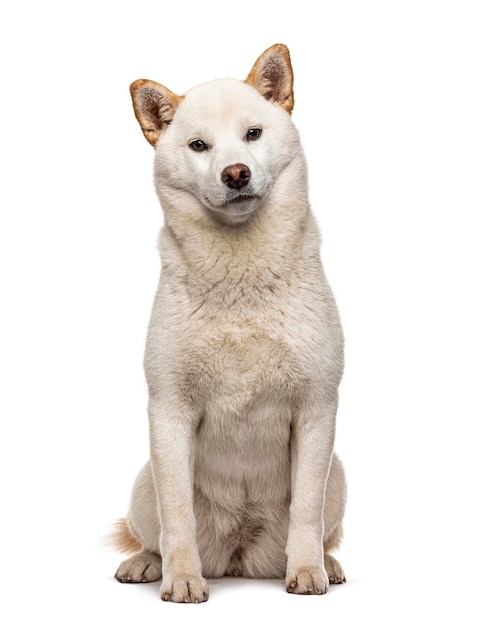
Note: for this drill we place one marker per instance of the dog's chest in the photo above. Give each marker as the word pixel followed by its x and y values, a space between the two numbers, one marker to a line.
pixel 245 377
pixel 234 365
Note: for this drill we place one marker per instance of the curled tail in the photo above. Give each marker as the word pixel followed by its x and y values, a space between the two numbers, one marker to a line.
pixel 123 539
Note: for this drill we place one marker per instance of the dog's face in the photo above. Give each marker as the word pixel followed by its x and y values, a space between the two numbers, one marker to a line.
pixel 224 142
pixel 226 145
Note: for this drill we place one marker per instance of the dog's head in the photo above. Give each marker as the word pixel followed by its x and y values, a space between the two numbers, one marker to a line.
pixel 224 142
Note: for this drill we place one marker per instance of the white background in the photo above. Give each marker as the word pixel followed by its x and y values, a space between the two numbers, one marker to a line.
pixel 393 102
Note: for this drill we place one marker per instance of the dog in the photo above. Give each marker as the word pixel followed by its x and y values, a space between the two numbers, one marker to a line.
pixel 244 354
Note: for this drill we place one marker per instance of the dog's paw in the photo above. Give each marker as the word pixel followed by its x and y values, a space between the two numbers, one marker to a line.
pixel 307 581
pixel 186 588
pixel 334 570
pixel 144 567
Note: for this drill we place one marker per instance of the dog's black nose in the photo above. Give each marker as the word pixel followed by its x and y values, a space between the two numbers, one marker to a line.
pixel 236 176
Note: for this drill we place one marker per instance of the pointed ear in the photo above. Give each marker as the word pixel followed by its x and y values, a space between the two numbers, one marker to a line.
pixel 154 106
pixel 272 76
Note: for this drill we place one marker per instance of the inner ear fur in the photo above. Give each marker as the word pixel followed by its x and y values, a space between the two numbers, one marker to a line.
pixel 272 76
pixel 154 106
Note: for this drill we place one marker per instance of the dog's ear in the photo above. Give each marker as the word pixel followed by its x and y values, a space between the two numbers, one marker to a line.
pixel 154 106
pixel 272 76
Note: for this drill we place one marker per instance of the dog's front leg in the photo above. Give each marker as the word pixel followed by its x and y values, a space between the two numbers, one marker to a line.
pixel 312 443
pixel 172 445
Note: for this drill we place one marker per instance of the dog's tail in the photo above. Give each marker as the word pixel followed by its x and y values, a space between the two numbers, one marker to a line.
pixel 123 539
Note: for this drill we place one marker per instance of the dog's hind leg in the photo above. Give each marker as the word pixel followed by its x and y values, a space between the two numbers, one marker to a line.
pixel 334 570
pixel 140 533
pixel 144 567
pixel 333 520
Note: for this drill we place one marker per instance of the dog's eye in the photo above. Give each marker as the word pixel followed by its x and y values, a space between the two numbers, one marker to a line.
pixel 253 134
pixel 198 146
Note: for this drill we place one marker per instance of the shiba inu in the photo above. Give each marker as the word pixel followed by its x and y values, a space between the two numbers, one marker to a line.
pixel 244 353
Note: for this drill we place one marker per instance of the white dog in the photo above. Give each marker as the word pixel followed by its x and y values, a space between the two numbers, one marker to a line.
pixel 245 349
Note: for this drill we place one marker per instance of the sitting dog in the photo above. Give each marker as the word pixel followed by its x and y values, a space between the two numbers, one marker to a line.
pixel 244 353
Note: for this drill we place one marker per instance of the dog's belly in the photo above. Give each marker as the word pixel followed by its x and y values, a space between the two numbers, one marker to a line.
pixel 244 456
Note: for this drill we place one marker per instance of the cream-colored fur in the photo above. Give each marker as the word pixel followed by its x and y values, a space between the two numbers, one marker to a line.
pixel 245 349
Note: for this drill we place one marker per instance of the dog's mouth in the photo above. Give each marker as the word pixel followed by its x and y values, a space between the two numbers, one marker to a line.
pixel 235 209
pixel 240 199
